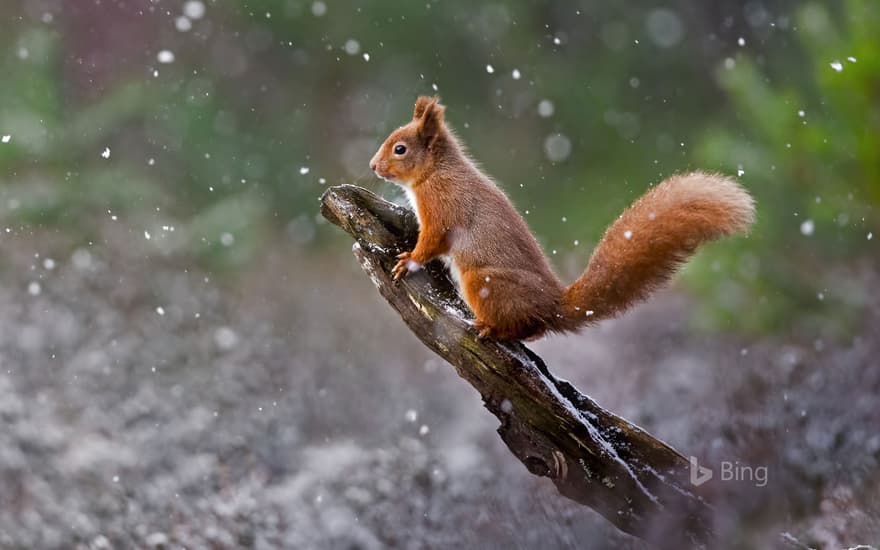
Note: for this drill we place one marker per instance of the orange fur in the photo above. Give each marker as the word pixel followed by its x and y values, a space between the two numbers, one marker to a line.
pixel 501 271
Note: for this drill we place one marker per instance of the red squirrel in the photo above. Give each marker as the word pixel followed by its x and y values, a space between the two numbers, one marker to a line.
pixel 497 264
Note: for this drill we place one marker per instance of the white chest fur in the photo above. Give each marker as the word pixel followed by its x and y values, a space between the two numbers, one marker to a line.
pixel 449 261
pixel 411 197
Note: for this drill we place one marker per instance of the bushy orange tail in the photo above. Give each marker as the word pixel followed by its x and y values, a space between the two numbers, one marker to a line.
pixel 643 248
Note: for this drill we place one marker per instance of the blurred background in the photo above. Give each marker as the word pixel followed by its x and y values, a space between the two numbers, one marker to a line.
pixel 190 357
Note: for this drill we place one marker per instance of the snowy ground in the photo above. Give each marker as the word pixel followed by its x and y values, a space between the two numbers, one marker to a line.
pixel 142 405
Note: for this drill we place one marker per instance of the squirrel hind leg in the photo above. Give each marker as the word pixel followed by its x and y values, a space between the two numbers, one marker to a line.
pixel 506 333
pixel 503 308
pixel 484 331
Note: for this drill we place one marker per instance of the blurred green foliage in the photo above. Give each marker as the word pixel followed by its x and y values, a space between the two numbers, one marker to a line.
pixel 267 102
pixel 809 147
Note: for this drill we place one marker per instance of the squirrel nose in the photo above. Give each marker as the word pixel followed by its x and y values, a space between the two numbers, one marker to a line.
pixel 373 165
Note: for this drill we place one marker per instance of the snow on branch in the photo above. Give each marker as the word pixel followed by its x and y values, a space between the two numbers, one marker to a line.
pixel 594 457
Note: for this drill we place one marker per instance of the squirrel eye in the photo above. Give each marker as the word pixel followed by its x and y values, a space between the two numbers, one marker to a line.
pixel 399 149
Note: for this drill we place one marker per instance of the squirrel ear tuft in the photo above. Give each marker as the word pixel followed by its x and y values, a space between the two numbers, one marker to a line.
pixel 421 104
pixel 430 118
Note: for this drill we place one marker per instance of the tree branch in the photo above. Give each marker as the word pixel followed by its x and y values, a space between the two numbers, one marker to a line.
pixel 594 457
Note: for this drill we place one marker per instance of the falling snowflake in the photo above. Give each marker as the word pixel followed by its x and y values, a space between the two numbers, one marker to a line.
pixel 194 9
pixel 546 108
pixel 225 338
pixel 165 56
pixel 352 46
pixel 557 147
pixel 807 227
pixel 183 23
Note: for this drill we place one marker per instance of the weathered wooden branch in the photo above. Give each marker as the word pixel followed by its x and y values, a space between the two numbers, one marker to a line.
pixel 594 457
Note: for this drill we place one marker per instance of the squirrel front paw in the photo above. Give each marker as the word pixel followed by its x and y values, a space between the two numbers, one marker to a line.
pixel 404 265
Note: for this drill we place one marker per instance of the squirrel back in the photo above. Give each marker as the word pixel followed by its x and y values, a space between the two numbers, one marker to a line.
pixel 501 272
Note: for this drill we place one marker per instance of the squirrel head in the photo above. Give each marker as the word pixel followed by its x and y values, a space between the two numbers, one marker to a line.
pixel 407 155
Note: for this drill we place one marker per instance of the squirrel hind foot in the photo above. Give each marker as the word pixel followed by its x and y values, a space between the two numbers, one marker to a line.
pixel 484 331
pixel 508 333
